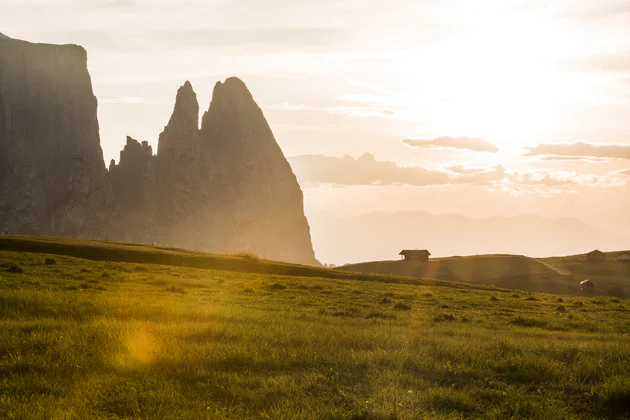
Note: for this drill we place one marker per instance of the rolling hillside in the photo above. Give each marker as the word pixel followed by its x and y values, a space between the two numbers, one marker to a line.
pixel 381 235
pixel 506 271
pixel 610 273
pixel 99 330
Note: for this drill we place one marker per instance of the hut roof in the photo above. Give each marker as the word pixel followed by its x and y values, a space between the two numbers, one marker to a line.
pixel 414 252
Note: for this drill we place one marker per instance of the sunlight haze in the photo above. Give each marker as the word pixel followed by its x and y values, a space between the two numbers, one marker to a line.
pixel 447 107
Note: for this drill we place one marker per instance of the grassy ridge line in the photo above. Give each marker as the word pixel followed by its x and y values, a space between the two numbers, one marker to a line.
pixel 473 269
pixel 131 253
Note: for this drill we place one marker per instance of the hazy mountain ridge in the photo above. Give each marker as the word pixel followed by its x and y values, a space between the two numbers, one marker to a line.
pixel 225 187
pixel 381 235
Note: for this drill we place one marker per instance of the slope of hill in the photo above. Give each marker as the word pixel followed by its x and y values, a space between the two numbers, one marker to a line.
pixel 606 274
pixel 104 338
pixel 380 236
pixel 144 254
pixel 507 271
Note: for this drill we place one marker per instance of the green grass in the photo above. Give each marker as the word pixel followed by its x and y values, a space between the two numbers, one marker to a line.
pixel 507 271
pixel 607 274
pixel 512 272
pixel 157 341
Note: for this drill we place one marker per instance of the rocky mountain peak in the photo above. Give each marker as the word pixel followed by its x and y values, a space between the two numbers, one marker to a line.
pixel 134 150
pixel 233 90
pixel 184 122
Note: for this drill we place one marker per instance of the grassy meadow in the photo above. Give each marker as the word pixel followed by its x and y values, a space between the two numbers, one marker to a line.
pixel 513 272
pixel 96 338
pixel 609 273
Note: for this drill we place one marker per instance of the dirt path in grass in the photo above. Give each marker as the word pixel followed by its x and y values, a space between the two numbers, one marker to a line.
pixel 556 268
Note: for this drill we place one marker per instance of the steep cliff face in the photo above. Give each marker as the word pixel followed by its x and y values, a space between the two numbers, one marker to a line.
pixel 256 198
pixel 52 175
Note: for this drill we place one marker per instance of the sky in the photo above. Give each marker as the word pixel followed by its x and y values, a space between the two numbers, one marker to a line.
pixel 486 108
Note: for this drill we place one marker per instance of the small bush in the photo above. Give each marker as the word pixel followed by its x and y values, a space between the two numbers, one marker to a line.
pixel 15 268
pixel 443 318
pixel 176 289
pixel 444 307
pixel 527 322
pixel 386 301
pixel 402 307
pixel 252 256
pixel 50 261
pixel 561 308
pixel 494 298
pixel 85 270
pixel 560 300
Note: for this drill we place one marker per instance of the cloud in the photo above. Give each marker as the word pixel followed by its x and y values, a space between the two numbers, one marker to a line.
pixel 466 170
pixel 576 158
pixel 596 12
pixel 365 112
pixel 467 143
pixel 580 149
pixel 623 172
pixel 366 170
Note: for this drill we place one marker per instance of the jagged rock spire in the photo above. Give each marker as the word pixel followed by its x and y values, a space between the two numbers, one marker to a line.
pixel 184 122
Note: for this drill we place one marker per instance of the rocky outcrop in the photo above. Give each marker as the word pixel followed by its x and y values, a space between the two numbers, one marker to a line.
pixel 135 189
pixel 256 198
pixel 52 176
pixel 225 187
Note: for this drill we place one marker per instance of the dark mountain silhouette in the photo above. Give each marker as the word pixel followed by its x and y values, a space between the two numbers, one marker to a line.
pixel 226 187
pixel 380 236
pixel 52 176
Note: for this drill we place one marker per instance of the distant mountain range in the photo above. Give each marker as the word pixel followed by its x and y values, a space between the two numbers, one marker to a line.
pixel 381 236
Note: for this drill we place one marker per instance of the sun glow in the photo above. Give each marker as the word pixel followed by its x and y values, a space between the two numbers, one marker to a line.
pixel 507 80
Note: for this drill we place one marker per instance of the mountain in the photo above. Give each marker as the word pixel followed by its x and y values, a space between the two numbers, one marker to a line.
pixel 53 180
pixel 380 236
pixel 224 188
